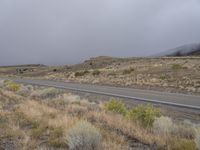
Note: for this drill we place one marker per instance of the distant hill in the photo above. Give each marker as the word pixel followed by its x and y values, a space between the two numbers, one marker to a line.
pixel 185 50
pixel 25 65
pixel 96 62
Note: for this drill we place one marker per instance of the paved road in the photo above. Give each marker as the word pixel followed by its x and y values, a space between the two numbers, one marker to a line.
pixel 179 100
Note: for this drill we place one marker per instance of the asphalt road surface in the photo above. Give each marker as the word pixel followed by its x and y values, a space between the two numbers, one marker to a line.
pixel 173 99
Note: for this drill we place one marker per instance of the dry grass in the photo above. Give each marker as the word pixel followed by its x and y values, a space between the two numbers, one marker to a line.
pixel 163 125
pixel 43 123
pixel 47 93
pixel 125 127
pixel 39 111
pixel 197 137
pixel 120 143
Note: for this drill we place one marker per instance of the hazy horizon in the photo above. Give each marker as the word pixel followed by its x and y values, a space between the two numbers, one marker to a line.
pixel 66 32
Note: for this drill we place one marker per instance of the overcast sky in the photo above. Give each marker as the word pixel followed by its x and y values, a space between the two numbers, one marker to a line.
pixel 69 31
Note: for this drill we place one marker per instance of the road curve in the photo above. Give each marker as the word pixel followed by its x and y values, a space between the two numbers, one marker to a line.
pixel 173 99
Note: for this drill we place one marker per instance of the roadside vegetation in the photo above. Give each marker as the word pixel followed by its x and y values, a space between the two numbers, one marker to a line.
pixel 46 118
pixel 96 73
pixel 81 73
pixel 128 71
pixel 176 66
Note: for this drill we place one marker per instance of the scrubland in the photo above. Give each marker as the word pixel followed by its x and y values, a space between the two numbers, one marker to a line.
pixel 171 74
pixel 42 118
pixel 162 74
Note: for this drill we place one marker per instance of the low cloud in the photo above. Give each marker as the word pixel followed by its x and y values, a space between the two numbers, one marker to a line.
pixel 61 32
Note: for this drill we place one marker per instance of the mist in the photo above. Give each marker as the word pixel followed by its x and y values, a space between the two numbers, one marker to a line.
pixel 69 31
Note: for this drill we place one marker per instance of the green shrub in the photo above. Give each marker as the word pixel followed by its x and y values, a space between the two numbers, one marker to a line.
pixel 182 144
pixel 83 136
pixel 163 77
pixel 6 82
pixel 12 86
pixel 145 115
pixel 81 73
pixel 176 66
pixel 128 71
pixel 115 106
pixel 96 73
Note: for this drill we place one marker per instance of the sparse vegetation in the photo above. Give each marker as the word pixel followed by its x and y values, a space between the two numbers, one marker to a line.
pixel 162 74
pixel 184 130
pixel 163 77
pixel 145 115
pixel 12 86
pixel 128 71
pixel 197 137
pixel 182 144
pixel 96 73
pixel 81 73
pixel 112 74
pixel 56 137
pixel 24 90
pixel 1 83
pixel 83 136
pixel 115 106
pixel 176 66
pixel 45 93
pixel 163 125
pixel 65 121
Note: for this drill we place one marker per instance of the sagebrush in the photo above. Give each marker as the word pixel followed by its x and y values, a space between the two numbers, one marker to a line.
pixel 163 125
pixel 83 136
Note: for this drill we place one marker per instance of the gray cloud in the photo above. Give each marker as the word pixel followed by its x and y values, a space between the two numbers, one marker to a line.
pixel 68 31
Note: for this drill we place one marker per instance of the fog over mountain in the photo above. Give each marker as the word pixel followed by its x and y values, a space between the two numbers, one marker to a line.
pixel 185 50
pixel 69 31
